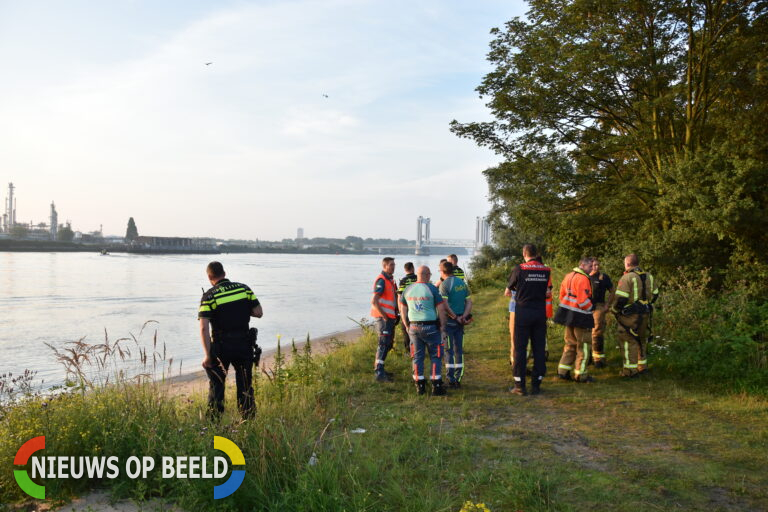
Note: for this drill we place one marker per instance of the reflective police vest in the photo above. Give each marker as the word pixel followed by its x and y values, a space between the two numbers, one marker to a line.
pixel 387 299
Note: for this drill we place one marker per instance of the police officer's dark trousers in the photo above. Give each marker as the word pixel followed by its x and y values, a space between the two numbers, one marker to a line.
pixel 530 324
pixel 239 355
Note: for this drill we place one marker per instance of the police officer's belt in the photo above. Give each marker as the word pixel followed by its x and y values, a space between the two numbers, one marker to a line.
pixel 224 336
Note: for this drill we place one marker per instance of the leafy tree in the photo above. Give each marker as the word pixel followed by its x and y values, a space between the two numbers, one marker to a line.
pixel 632 125
pixel 132 232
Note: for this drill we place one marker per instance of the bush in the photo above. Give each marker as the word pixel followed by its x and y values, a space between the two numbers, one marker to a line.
pixel 714 336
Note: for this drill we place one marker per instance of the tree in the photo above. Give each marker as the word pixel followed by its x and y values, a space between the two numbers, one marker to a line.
pixel 630 121
pixel 132 232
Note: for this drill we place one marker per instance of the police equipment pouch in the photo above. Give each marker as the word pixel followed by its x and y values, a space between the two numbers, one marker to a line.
pixel 253 334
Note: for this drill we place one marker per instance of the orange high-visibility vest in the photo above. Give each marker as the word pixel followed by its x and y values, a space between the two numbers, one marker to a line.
pixel 388 298
pixel 576 292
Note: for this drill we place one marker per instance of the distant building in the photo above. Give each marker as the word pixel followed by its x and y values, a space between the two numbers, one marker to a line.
pixel 300 234
pixel 173 245
pixel 482 232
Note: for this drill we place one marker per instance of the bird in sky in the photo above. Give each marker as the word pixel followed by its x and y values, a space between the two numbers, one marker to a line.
pixel 325 95
pixel 208 63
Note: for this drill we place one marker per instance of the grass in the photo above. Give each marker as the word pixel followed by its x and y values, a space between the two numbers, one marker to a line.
pixel 657 443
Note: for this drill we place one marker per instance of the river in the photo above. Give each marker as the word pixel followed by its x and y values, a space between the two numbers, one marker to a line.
pixel 57 298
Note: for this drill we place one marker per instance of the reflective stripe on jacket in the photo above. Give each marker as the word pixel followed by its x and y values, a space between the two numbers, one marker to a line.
pixel 576 301
pixel 630 286
pixel 387 300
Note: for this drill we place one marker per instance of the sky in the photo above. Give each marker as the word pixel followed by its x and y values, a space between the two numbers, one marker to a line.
pixel 109 110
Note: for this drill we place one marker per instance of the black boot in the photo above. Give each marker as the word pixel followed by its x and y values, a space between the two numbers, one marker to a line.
pixel 536 385
pixel 421 387
pixel 437 387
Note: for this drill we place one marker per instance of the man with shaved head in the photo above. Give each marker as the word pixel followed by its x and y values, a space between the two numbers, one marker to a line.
pixel 422 310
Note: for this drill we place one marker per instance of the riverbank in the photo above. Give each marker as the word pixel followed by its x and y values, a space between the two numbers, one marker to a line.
pixel 24 245
pixel 327 437
pixel 195 382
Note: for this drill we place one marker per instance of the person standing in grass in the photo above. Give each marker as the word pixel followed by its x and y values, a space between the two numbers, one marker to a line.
pixel 635 295
pixel 421 307
pixel 384 313
pixel 405 282
pixel 457 271
pixel 575 313
pixel 602 296
pixel 458 307
pixel 530 282
pixel 225 312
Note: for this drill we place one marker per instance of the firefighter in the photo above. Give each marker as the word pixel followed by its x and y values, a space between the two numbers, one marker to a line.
pixel 635 295
pixel 575 313
pixel 531 283
pixel 385 315
pixel 405 282
pixel 602 296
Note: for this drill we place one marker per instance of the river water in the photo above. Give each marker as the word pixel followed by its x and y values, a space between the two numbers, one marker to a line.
pixel 57 298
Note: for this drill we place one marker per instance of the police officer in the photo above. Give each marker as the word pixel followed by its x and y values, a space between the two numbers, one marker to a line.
pixel 531 283
pixel 635 295
pixel 224 314
pixel 457 271
pixel 575 313
pixel 384 313
pixel 405 282
pixel 421 306
pixel 458 307
pixel 602 296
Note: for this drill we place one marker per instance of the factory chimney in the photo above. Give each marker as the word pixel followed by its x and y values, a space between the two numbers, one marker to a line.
pixel 54 221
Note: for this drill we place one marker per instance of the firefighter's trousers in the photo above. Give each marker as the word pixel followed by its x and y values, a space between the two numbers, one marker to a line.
pixel 633 331
pixel 598 334
pixel 575 352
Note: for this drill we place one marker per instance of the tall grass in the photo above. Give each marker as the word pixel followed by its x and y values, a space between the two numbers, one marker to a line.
pixel 305 450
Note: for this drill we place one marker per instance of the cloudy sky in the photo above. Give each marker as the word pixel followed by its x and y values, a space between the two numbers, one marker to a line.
pixel 109 109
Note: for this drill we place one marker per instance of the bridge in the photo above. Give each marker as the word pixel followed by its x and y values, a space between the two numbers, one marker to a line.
pixel 425 244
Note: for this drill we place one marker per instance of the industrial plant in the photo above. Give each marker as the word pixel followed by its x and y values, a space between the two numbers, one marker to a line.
pixel 11 227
